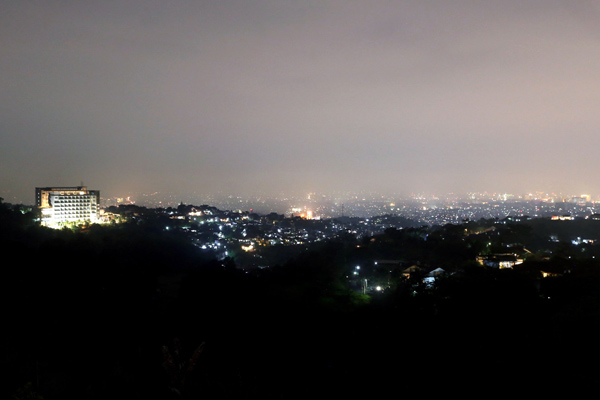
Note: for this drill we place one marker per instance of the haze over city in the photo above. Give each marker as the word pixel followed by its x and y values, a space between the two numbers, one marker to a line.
pixel 277 96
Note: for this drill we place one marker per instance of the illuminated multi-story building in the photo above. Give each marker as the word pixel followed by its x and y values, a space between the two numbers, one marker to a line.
pixel 581 200
pixel 60 205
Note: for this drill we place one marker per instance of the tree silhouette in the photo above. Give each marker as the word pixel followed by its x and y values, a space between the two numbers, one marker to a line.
pixel 178 367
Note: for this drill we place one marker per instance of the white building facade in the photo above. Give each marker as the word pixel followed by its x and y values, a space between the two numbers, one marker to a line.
pixel 65 205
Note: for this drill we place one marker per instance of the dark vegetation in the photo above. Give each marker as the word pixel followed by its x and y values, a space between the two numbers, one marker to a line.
pixel 133 311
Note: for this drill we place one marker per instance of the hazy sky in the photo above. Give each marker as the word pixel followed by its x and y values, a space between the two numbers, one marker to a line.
pixel 242 96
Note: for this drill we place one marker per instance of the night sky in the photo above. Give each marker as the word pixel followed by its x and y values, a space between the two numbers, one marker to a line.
pixel 295 96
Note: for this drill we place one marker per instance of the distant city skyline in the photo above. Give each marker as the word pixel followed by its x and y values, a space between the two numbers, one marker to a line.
pixel 156 199
pixel 431 208
pixel 273 97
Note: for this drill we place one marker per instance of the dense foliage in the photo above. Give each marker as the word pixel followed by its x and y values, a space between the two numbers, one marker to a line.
pixel 135 311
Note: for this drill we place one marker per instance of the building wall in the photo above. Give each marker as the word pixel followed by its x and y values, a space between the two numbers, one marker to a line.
pixel 67 204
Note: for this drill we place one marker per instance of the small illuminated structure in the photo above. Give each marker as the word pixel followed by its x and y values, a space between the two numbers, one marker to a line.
pixel 508 260
pixel 562 218
pixel 63 205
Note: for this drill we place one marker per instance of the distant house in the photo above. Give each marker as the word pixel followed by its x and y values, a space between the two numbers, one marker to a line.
pixel 411 271
pixel 500 260
pixel 436 272
pixel 516 218
pixel 566 217
pixel 433 275
pixel 546 274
